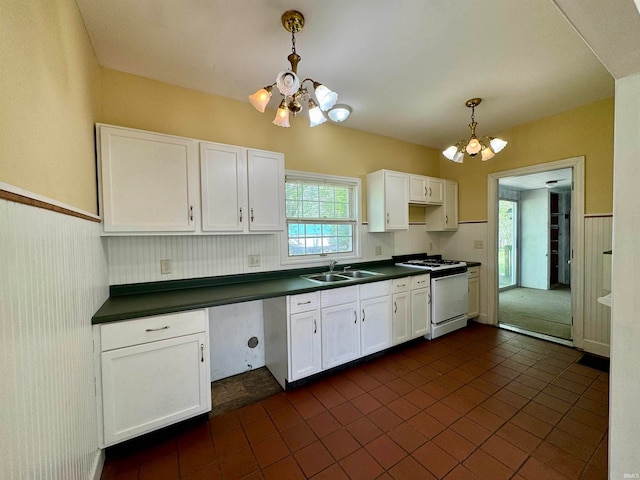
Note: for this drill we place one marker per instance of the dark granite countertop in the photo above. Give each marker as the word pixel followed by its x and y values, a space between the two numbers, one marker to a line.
pixel 157 298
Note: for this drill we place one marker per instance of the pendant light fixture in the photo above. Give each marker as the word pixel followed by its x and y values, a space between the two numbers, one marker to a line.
pixel 293 90
pixel 486 146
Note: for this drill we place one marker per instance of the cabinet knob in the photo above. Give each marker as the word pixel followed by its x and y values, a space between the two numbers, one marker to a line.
pixel 363 315
pixel 191 214
pixel 240 214
pixel 252 215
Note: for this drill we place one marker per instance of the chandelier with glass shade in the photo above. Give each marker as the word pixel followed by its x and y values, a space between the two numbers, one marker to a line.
pixel 294 91
pixel 487 147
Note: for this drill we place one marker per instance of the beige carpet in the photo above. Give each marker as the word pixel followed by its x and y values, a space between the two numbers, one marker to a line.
pixel 541 311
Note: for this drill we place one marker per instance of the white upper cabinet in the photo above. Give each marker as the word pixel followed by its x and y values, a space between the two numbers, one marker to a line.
pixel 242 190
pixel 265 172
pixel 426 190
pixel 444 217
pixel 148 181
pixel 151 183
pixel 387 201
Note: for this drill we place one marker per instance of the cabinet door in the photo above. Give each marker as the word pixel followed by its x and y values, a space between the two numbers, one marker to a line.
pixel 375 325
pixel 396 200
pixel 435 190
pixel 401 319
pixel 474 297
pixel 223 179
pixel 148 181
pixel 266 190
pixel 304 344
pixel 418 189
pixel 450 205
pixel 340 334
pixel 420 312
pixel 155 384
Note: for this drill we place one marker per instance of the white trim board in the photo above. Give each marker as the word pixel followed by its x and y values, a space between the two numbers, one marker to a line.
pixel 577 238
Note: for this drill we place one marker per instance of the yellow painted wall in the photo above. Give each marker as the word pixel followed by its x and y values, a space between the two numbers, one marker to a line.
pixel 138 102
pixel 49 84
pixel 586 131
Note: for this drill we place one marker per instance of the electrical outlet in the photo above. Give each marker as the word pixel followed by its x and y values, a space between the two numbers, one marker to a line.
pixel 378 250
pixel 165 267
pixel 479 244
pixel 254 260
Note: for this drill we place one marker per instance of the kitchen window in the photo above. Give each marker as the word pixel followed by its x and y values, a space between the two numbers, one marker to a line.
pixel 322 216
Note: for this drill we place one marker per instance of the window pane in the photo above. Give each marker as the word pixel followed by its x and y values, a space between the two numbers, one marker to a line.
pixel 326 210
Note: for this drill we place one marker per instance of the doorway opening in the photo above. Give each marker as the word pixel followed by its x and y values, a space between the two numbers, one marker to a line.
pixel 533 248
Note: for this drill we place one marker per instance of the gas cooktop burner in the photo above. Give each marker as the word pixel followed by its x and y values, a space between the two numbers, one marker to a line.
pixel 426 263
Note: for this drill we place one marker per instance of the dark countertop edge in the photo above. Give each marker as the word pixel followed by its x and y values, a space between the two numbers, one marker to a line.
pixel 178 295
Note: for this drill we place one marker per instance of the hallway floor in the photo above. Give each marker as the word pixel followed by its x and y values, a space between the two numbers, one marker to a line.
pixel 480 403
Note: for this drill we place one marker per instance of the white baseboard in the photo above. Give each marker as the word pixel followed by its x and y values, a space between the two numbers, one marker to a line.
pixel 596 348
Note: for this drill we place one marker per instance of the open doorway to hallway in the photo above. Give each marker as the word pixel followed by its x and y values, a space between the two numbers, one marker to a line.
pixel 534 253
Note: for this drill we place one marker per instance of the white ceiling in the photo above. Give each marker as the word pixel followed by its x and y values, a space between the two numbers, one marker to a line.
pixel 406 67
pixel 535 181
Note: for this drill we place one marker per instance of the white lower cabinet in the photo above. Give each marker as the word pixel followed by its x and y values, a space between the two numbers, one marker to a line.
pixel 375 321
pixel 420 305
pixel 474 292
pixel 340 326
pixel 151 372
pixel 401 316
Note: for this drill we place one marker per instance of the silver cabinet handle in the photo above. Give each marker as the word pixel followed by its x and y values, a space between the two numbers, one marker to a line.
pixel 395 307
pixel 304 303
pixel 166 327
pixel 252 215
pixel 315 326
pixel 387 218
pixel 240 214
pixel 446 219
pixel 355 317
pixel 429 191
pixel 191 214
pixel 363 315
pixel 425 192
pixel 202 352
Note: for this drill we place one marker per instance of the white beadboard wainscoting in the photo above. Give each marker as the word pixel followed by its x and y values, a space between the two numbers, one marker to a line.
pixel 597 317
pixel 137 259
pixel 53 277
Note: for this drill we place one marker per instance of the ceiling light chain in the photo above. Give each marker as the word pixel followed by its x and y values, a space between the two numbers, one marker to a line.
pixel 486 146
pixel 293 90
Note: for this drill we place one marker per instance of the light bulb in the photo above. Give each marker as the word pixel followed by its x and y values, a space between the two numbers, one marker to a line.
pixel 315 115
pixel 497 144
pixel 473 147
pixel 282 115
pixel 260 99
pixel 326 98
pixel 487 154
pixel 450 152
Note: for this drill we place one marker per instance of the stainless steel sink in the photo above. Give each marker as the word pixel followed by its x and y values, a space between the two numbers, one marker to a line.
pixel 359 274
pixel 337 277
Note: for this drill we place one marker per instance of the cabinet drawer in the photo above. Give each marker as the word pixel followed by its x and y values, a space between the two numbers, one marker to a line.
pixel 304 302
pixel 151 329
pixel 338 296
pixel 420 281
pixel 473 272
pixel 376 289
pixel 401 284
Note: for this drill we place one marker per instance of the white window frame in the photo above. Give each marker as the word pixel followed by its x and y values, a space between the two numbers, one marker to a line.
pixel 310 260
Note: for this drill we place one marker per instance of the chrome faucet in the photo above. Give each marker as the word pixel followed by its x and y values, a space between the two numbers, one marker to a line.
pixel 332 265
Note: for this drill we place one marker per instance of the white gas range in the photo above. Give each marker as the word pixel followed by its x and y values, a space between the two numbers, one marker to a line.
pixel 449 290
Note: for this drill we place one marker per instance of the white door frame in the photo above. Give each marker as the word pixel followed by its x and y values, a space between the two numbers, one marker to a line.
pixel 577 238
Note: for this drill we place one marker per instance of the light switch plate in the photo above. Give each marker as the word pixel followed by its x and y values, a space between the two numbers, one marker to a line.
pixel 254 260
pixel 479 244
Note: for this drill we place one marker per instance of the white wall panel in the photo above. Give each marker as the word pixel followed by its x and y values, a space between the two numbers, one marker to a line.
pixel 597 317
pixel 137 259
pixel 53 279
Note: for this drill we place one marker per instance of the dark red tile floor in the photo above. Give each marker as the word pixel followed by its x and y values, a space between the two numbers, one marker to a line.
pixel 481 403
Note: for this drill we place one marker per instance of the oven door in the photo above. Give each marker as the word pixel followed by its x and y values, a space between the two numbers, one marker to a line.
pixel 449 297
